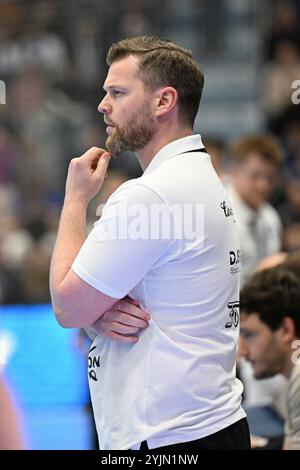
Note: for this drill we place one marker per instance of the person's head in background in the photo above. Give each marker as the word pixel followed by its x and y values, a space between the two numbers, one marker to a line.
pixel 270 321
pixel 255 161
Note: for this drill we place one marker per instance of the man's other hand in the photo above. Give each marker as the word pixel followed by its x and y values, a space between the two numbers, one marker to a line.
pixel 124 322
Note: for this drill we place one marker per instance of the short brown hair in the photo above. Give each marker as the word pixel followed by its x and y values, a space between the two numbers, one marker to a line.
pixel 163 63
pixel 266 146
pixel 273 294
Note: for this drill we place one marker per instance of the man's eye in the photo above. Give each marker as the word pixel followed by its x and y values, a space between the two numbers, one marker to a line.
pixel 116 92
pixel 248 334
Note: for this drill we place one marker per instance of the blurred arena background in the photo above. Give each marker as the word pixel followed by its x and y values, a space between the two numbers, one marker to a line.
pixel 52 66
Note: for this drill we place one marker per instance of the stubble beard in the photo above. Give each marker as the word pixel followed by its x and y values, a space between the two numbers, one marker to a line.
pixel 274 362
pixel 135 135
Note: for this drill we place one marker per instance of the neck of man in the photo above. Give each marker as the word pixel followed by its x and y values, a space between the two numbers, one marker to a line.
pixel 164 135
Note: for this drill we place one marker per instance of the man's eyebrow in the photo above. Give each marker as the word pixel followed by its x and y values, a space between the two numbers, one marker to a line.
pixel 112 87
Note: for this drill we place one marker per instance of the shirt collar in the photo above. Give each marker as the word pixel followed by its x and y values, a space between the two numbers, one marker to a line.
pixel 185 144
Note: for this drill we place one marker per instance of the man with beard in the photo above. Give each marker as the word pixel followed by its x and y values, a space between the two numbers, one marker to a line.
pixel 270 332
pixel 165 240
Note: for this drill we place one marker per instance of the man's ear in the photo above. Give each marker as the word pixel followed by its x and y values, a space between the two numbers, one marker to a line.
pixel 288 330
pixel 166 100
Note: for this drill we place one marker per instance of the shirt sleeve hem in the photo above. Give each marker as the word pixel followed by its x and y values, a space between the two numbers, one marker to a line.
pixel 95 283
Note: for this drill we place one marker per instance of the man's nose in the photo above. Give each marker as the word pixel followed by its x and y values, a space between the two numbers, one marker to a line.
pixel 242 348
pixel 264 185
pixel 104 106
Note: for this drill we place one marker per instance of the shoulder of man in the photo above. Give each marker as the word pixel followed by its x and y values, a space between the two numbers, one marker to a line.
pixel 137 191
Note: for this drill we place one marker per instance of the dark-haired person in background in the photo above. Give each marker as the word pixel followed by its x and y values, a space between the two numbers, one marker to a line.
pixel 270 336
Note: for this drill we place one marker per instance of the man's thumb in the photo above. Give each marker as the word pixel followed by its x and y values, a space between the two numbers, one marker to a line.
pixel 103 164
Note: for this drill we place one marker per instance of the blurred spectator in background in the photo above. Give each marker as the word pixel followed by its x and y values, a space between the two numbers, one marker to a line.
pixel 289 210
pixel 10 433
pixel 270 332
pixel 12 20
pixel 10 288
pixel 291 238
pixel 284 27
pixel 289 131
pixel 279 76
pixel 34 275
pixel 50 126
pixel 255 164
pixel 87 60
pixel 11 437
pixel 271 261
pixel 15 242
pixel 111 183
pixel 10 156
pixel 27 40
pixel 215 148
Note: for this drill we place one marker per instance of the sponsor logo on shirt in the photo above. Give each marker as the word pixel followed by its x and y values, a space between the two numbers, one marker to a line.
pixel 93 365
pixel 234 316
pixel 228 211
pixel 235 261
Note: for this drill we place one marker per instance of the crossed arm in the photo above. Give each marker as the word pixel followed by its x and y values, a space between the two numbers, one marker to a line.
pixel 76 303
pixel 124 322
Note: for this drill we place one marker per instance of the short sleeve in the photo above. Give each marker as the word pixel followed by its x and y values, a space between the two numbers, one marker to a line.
pixel 135 232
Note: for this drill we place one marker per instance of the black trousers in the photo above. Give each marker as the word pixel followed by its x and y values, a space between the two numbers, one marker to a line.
pixel 234 437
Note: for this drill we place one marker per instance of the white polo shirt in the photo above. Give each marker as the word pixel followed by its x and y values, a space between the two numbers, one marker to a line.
pixel 177 383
